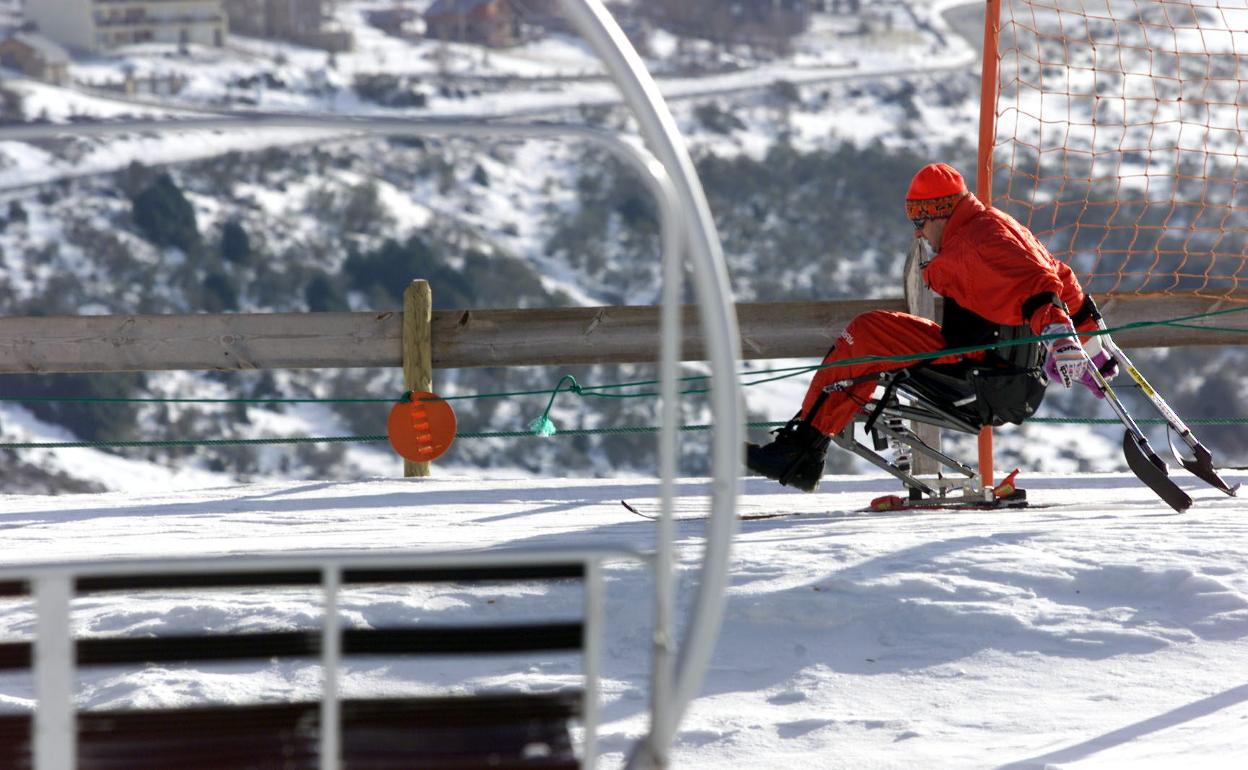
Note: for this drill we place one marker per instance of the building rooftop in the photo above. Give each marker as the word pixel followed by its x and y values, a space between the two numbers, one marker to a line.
pixel 52 52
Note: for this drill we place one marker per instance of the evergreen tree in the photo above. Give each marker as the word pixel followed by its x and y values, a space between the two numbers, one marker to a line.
pixel 165 216
pixel 235 245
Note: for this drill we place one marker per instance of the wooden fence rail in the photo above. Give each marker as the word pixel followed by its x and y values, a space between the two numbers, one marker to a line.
pixel 475 338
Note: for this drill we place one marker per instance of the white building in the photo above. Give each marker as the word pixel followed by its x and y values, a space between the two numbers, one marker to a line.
pixel 96 25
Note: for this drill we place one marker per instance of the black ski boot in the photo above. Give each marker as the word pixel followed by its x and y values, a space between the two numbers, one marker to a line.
pixel 794 458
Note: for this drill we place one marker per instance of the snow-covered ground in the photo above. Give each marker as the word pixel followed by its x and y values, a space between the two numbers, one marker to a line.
pixel 1097 629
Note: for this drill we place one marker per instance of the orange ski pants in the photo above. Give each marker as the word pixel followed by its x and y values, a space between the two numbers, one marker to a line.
pixel 875 333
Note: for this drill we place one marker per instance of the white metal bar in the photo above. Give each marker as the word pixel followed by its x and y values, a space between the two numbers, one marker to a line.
pixel 347 559
pixel 55 733
pixel 591 652
pixel 663 660
pixel 331 659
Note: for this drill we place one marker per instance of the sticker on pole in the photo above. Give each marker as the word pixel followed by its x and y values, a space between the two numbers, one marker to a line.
pixel 422 428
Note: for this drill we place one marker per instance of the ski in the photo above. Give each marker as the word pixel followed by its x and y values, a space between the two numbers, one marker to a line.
pixel 895 503
pixel 740 516
pixel 1004 495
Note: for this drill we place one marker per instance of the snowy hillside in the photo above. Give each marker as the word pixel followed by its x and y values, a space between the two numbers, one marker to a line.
pixel 317 220
pixel 1096 629
pixel 804 155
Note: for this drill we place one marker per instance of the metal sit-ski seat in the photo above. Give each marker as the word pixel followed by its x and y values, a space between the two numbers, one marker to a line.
pixel 1003 385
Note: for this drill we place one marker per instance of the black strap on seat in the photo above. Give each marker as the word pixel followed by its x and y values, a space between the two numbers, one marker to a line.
pixel 823 396
pixel 1037 301
pixel 889 389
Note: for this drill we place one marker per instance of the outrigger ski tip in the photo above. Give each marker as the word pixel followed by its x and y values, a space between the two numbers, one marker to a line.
pixel 1201 466
pixel 1152 470
pixel 1145 463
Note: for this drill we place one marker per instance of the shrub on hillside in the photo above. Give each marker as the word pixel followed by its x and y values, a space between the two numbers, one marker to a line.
pixel 716 119
pixel 385 273
pixel 472 279
pixel 165 216
pixel 235 245
pixel 89 420
pixel 324 295
pixel 218 294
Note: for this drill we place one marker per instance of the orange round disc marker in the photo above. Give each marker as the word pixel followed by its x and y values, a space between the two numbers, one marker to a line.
pixel 421 429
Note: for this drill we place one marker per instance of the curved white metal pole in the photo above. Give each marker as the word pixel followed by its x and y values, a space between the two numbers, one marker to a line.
pixel 659 129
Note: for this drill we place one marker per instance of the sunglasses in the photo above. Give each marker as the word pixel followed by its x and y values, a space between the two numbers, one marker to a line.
pixel 918 223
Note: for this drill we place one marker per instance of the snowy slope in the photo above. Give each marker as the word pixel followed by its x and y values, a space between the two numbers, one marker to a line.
pixel 1096 629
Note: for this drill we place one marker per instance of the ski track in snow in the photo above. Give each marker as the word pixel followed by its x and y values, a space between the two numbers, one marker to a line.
pixel 1102 630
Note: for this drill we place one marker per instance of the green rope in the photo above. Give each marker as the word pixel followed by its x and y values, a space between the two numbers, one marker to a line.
pixel 341 439
pixel 543 426
pixel 1146 421
pixel 633 429
pixel 185 442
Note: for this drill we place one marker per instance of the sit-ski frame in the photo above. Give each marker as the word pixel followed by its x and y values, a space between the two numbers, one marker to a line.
pixel 886 414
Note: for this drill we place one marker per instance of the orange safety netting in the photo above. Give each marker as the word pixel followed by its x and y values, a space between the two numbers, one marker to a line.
pixel 1120 139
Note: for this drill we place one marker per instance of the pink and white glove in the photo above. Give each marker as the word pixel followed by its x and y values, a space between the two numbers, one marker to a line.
pixel 1066 362
pixel 1065 350
pixel 1103 361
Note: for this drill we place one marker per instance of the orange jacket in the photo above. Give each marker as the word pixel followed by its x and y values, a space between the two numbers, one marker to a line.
pixel 991 265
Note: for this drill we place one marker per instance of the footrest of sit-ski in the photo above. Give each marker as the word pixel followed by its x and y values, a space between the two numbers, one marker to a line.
pixel 918 487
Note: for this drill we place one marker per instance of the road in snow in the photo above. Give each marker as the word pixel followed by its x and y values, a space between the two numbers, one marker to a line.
pixel 826 59
pixel 1097 629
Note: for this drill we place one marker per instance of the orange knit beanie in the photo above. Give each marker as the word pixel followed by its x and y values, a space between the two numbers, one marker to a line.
pixel 934 192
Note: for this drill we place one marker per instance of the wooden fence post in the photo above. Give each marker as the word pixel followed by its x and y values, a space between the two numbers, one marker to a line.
pixel 417 350
pixel 921 302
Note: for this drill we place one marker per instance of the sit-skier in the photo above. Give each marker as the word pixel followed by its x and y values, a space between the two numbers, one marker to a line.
pixel 984 261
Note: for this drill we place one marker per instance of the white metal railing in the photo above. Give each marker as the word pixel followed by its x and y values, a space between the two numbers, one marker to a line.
pixel 53 587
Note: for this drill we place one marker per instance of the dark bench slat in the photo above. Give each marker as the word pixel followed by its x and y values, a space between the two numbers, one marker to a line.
pixel 15 749
pixel 464 574
pixel 15 656
pixel 90 584
pixel 466 640
pixel 198 647
pixel 451 733
pixel 531 637
pixel 175 580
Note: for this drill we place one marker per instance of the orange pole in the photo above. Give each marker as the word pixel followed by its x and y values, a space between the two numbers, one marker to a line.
pixel 983 171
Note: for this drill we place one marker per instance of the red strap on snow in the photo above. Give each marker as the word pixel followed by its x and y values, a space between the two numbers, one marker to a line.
pixel 888 503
